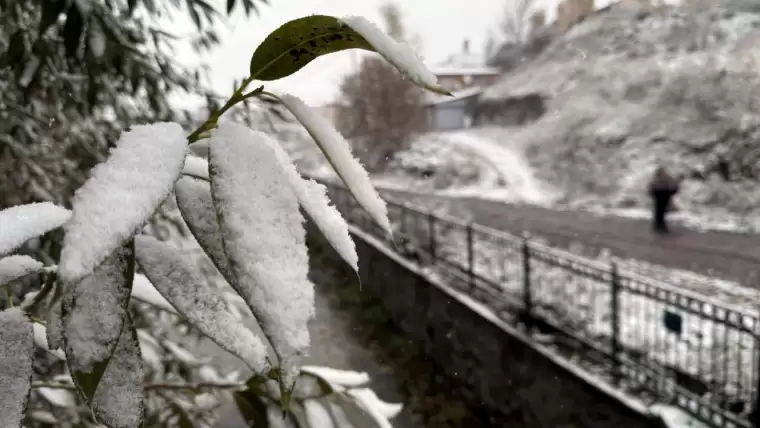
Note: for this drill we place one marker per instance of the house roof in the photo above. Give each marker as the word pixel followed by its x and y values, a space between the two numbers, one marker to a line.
pixel 465 71
pixel 437 99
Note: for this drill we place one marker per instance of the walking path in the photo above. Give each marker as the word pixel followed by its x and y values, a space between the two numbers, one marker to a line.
pixel 726 255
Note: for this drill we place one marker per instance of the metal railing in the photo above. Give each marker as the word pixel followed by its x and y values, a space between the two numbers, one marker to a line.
pixel 644 336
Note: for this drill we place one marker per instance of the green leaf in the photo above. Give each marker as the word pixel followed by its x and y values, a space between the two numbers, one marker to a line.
pixel 94 315
pixel 252 407
pixel 51 9
pixel 72 31
pixel 295 44
pixel 16 365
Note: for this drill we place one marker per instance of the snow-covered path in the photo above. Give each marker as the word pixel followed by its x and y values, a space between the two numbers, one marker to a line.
pixel 515 181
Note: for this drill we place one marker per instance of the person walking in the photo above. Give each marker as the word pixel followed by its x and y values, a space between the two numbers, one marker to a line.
pixel 662 188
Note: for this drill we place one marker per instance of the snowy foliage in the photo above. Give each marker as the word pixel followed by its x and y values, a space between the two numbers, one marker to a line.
pixel 113 318
pixel 28 222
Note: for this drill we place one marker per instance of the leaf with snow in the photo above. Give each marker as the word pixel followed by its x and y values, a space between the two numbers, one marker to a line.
pixel 196 167
pixel 338 153
pixel 197 208
pixel 16 365
pixel 40 339
pixel 94 315
pixel 121 194
pixel 378 409
pixel 15 267
pixel 317 416
pixel 344 378
pixel 264 239
pixel 144 291
pixel 58 397
pixel 399 54
pixel 24 222
pixel 96 39
pixel 313 198
pixel 187 291
pixel 119 399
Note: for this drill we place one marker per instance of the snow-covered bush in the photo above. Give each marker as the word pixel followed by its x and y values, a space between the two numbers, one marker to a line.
pixel 242 206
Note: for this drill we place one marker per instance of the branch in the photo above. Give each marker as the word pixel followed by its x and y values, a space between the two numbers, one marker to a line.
pixel 155 386
pixel 195 386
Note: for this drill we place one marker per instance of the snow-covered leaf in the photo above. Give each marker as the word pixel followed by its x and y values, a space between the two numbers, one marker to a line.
pixel 197 208
pixel 264 239
pixel 346 378
pixel 15 267
pixel 24 222
pixel 317 416
pixel 378 409
pixel 94 315
pixel 40 339
pixel 310 37
pixel 144 291
pixel 58 397
pixel 399 54
pixel 313 198
pixel 119 399
pixel 196 167
pixel 186 289
pixel 96 39
pixel 16 357
pixel 122 193
pixel 338 153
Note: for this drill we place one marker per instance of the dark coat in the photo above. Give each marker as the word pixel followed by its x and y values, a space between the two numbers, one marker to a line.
pixel 662 181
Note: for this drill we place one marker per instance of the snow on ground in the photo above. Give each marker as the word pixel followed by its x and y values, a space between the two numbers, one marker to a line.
pixel 461 164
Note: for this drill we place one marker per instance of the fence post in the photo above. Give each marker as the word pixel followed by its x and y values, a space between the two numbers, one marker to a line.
pixel 755 414
pixel 470 257
pixel 527 296
pixel 402 220
pixel 431 237
pixel 615 318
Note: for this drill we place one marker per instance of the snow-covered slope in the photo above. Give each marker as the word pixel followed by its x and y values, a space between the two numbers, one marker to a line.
pixel 466 163
pixel 627 90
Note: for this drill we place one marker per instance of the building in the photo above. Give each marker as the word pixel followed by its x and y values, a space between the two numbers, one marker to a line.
pixel 464 70
pixel 465 75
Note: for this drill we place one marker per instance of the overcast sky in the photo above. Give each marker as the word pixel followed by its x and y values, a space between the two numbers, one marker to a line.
pixel 441 24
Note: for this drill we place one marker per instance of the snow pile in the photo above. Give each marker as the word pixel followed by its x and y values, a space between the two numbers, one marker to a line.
pixel 466 163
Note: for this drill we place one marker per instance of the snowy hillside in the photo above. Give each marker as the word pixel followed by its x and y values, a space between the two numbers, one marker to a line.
pixel 626 90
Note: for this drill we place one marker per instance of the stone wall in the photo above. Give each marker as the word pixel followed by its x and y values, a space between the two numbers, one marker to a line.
pixel 498 367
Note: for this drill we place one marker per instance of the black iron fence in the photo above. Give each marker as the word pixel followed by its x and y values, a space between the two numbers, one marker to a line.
pixel 644 336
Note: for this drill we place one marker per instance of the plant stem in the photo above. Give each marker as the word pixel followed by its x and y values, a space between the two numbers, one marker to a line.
pixel 44 291
pixel 210 123
pixel 155 386
pixel 195 386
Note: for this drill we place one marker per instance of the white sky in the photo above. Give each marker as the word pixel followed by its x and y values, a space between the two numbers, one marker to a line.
pixel 442 25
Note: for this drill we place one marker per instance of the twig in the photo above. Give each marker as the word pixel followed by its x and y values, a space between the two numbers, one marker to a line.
pixel 52 275
pixel 195 386
pixel 156 386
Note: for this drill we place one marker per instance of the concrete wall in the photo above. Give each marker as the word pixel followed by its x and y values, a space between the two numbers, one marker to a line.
pixel 498 366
